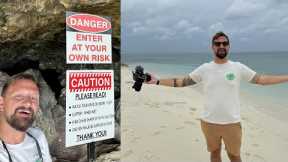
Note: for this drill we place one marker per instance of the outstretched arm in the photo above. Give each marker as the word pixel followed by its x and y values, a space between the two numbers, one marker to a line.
pixel 269 79
pixel 174 82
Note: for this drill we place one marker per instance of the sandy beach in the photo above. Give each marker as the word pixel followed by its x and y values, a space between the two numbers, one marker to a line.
pixel 161 124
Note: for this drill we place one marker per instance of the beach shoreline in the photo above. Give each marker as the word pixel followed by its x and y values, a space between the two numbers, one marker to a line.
pixel 161 124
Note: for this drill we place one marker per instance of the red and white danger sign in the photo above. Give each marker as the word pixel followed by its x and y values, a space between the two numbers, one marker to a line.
pixel 88 39
pixel 88 23
pixel 89 106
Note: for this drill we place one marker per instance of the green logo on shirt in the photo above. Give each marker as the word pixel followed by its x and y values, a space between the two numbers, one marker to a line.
pixel 230 76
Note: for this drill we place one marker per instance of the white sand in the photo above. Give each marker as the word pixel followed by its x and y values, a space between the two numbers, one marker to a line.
pixel 160 124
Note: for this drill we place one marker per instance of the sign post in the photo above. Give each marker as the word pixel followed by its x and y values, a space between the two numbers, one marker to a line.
pixel 91 149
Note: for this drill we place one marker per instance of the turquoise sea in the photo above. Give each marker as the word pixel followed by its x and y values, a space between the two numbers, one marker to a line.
pixel 180 64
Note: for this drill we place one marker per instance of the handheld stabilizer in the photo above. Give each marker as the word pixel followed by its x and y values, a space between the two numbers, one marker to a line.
pixel 139 77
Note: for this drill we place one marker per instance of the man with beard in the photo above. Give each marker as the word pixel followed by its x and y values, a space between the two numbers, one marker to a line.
pixel 220 80
pixel 19 103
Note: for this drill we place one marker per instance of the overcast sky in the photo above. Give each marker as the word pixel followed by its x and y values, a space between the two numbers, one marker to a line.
pixel 153 26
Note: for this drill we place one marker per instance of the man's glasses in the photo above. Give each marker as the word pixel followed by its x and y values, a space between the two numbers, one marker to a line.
pixel 226 43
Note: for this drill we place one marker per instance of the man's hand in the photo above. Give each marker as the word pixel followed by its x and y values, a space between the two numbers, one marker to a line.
pixel 140 77
pixel 153 79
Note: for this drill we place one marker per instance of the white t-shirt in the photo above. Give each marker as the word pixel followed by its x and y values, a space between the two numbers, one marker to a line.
pixel 221 84
pixel 26 151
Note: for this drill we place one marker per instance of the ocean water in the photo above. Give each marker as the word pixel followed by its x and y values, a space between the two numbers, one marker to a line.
pixel 181 64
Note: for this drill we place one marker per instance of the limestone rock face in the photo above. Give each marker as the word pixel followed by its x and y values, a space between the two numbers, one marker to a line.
pixel 32 20
pixel 3 78
pixel 32 40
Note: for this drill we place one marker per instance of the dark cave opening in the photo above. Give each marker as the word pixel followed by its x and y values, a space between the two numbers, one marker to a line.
pixel 51 76
pixel 19 66
pixel 52 79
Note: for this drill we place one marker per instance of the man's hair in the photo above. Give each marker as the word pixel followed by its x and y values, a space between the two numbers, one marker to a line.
pixel 219 34
pixel 16 77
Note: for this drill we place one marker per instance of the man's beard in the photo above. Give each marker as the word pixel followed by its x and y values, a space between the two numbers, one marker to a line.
pixel 21 123
pixel 221 53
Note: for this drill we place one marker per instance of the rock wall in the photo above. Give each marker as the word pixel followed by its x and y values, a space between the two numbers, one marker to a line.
pixel 32 39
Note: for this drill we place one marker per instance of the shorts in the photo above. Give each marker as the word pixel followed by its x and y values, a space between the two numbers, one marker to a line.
pixel 231 135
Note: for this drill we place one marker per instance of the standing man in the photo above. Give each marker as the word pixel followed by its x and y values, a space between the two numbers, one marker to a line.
pixel 19 103
pixel 221 78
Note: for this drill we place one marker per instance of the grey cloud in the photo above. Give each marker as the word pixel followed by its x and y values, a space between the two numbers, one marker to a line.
pixel 217 27
pixel 280 1
pixel 246 8
pixel 248 22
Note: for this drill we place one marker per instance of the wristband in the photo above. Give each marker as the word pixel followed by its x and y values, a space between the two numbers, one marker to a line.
pixel 174 82
pixel 158 81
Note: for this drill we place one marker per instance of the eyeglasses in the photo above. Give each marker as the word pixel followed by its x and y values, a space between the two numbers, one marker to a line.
pixel 226 43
